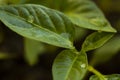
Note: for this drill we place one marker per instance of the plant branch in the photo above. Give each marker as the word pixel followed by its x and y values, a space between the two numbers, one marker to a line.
pixel 101 76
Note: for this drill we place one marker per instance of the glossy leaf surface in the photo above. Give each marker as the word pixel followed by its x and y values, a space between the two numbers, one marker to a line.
pixel 96 40
pixel 32 50
pixel 107 77
pixel 39 23
pixel 69 65
pixel 83 13
pixel 86 14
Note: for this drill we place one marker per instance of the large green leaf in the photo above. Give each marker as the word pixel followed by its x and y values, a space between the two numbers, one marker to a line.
pixel 42 2
pixel 109 50
pixel 96 40
pixel 86 14
pixel 32 50
pixel 107 77
pixel 39 23
pixel 70 65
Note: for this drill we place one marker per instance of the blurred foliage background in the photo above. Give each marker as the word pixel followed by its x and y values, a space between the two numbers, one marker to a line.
pixel 15 66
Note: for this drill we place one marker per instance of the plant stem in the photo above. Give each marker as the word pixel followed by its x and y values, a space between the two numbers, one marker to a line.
pixel 91 69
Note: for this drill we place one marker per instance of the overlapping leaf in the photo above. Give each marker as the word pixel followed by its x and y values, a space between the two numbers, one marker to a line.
pixel 70 65
pixel 96 40
pixel 4 2
pixel 39 23
pixel 86 14
pixel 32 50
pixel 109 50
pixel 83 13
pixel 107 77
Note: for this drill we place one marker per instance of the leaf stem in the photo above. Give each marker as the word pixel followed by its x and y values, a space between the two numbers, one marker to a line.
pixel 101 76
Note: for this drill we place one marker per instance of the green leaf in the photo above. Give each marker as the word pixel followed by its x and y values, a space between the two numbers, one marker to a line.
pixel 13 1
pixel 32 50
pixel 86 14
pixel 35 1
pixel 39 23
pixel 109 50
pixel 70 65
pixel 4 2
pixel 96 40
pixel 107 77
pixel 42 2
pixel 54 4
pixel 80 33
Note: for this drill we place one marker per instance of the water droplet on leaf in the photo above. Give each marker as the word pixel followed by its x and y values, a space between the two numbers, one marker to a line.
pixel 83 65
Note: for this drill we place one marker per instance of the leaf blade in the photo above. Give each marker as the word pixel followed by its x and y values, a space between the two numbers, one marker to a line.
pixel 33 29
pixel 69 66
pixel 87 15
pixel 32 50
pixel 96 40
pixel 109 50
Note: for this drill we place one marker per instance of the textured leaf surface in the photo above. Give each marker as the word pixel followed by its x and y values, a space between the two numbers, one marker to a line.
pixel 69 65
pixel 32 50
pixel 39 23
pixel 86 14
pixel 96 40
pixel 83 13
pixel 109 50
pixel 107 77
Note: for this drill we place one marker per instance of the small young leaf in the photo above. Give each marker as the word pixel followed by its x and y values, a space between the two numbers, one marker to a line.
pixel 107 77
pixel 32 50
pixel 109 50
pixel 70 65
pixel 86 14
pixel 96 40
pixel 39 23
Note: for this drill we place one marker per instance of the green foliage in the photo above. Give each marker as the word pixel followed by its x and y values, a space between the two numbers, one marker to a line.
pixel 96 40
pixel 70 64
pixel 32 50
pixel 109 50
pixel 4 2
pixel 85 14
pixel 40 26
pixel 37 22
